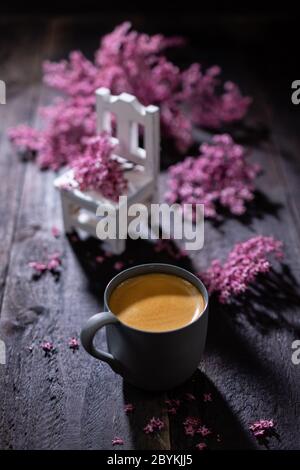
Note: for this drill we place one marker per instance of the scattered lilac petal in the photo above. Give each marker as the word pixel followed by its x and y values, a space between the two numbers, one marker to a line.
pixel 191 425
pixel 201 446
pixel 207 397
pixel 73 344
pixel 47 347
pixel 55 232
pixel 117 441
pixel 128 408
pixel 38 266
pixel 154 425
pixel 119 265
pixel 172 406
pixel 204 431
pixel 262 428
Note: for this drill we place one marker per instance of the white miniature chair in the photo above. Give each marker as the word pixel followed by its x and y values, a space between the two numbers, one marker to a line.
pixel 141 165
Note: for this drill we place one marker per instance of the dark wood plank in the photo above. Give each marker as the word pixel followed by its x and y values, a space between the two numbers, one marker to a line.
pixel 66 400
pixel 19 73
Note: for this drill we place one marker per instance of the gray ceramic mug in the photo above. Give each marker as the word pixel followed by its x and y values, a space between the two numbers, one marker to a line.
pixel 149 360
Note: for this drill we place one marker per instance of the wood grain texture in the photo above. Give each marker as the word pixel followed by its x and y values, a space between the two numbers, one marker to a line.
pixel 71 401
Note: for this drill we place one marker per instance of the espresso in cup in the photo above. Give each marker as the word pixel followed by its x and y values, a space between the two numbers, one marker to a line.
pixel 155 316
pixel 156 302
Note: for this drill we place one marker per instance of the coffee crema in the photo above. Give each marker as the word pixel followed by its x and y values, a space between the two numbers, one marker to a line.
pixel 156 302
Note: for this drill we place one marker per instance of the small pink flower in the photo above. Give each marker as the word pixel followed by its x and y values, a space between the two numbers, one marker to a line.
pixel 262 427
pixel 52 265
pixel 207 397
pixel 128 408
pixel 203 430
pixel 173 405
pixel 119 265
pixel 154 425
pixel 73 344
pixel 55 232
pixel 47 347
pixel 191 425
pixel 201 446
pixel 117 441
pixel 38 266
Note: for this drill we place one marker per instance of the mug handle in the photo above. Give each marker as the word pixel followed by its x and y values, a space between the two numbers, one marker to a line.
pixel 87 338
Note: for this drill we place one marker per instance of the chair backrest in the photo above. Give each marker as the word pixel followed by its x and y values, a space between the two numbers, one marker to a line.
pixel 129 114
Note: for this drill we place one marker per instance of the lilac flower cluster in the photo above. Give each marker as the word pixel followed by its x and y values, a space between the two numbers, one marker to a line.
pixel 220 175
pixel 262 428
pixel 97 170
pixel 47 347
pixel 172 406
pixel 132 62
pixel 244 263
pixel 52 265
pixel 154 425
pixel 117 441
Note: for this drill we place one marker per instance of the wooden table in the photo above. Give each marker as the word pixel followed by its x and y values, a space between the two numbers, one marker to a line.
pixel 71 401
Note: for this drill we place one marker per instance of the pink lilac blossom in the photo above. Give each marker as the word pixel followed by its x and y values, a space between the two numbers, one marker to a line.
pixel 55 232
pixel 53 264
pixel 100 259
pixel 47 347
pixel 191 425
pixel 128 408
pixel 204 431
pixel 220 175
pixel 242 266
pixel 117 441
pixel 207 397
pixel 201 446
pixel 172 405
pixel 135 63
pixel 154 425
pixel 119 265
pixel 26 138
pixel 262 427
pixel 73 344
pixel 96 170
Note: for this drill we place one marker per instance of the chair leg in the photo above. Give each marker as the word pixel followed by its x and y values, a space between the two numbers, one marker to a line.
pixel 66 212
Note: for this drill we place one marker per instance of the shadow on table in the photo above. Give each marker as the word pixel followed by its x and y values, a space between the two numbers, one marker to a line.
pixel 269 303
pixel 258 208
pixel 215 414
pixel 100 268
